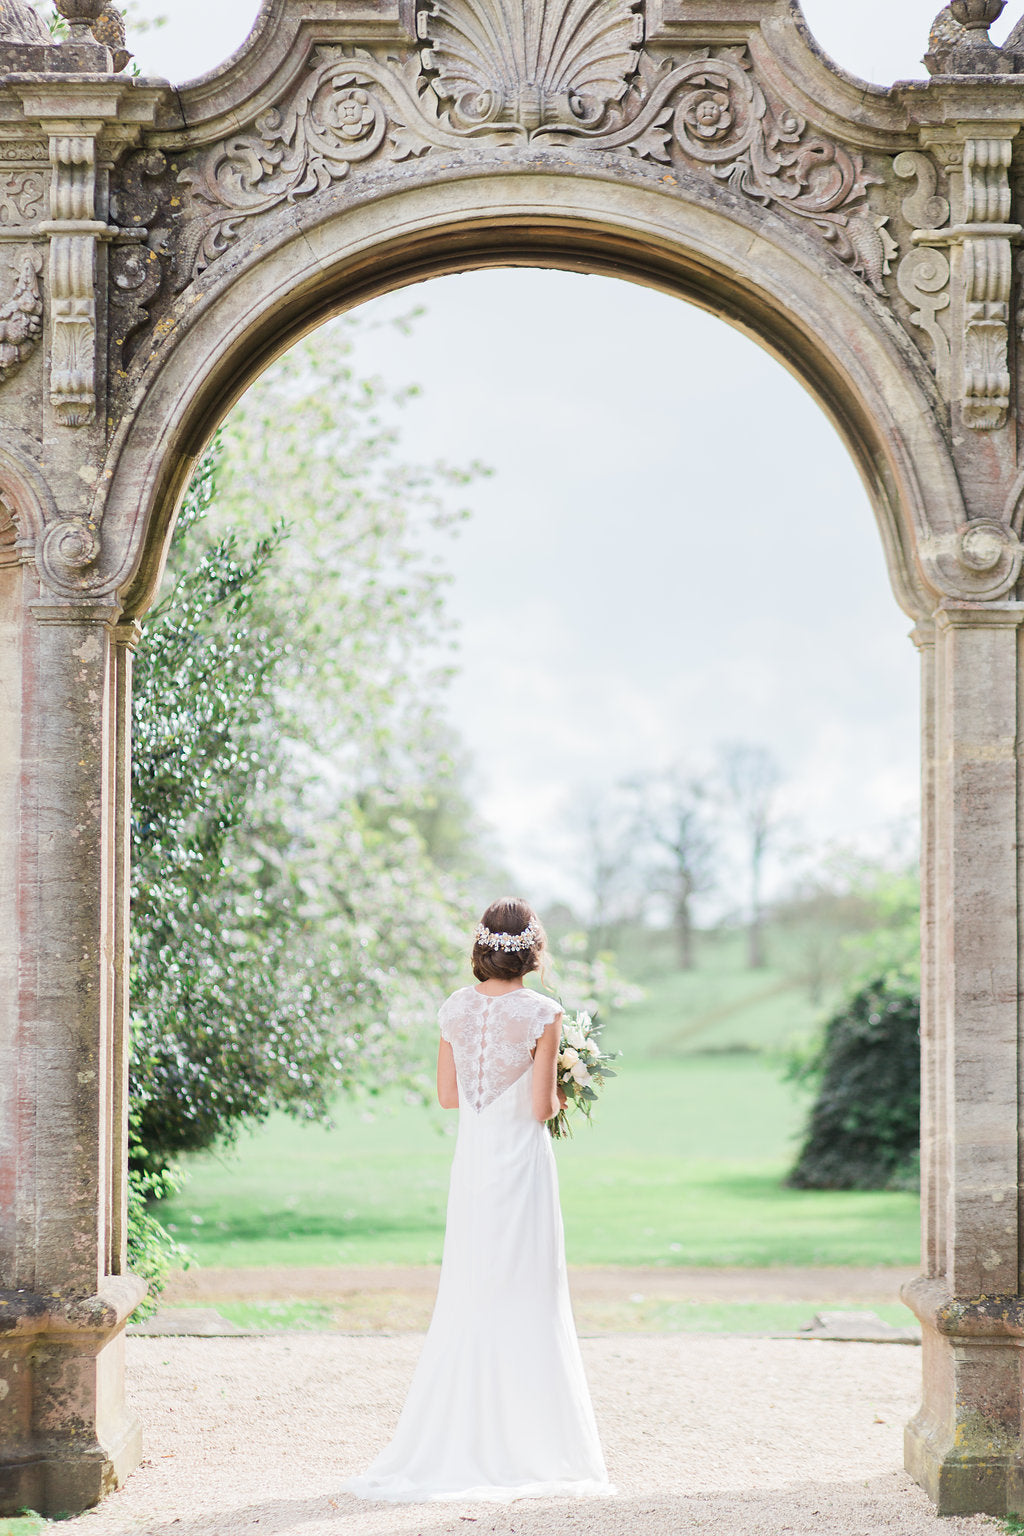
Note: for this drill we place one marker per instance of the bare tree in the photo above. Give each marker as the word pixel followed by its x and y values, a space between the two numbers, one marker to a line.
pixel 605 865
pixel 673 821
pixel 750 779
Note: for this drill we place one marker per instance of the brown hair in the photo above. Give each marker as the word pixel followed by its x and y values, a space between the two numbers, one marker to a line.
pixel 512 915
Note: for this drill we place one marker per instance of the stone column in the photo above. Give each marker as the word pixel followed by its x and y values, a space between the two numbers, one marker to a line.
pixel 966 1446
pixel 934 1165
pixel 65 1436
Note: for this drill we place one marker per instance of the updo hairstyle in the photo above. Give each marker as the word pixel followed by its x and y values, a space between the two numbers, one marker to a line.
pixel 512 915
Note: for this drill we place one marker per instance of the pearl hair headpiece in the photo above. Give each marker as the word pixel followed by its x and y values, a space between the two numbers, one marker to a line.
pixel 509 942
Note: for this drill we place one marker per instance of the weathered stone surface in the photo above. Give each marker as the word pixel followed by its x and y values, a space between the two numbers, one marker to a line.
pixel 158 246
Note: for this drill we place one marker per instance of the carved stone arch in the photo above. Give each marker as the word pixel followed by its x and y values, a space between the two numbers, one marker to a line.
pixel 165 244
pixel 877 392
pixel 26 493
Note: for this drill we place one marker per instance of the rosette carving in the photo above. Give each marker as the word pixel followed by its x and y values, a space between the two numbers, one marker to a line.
pixel 713 109
pixel 333 122
pixel 503 62
pixel 550 73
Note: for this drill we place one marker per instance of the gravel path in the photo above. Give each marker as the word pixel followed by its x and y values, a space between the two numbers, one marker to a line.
pixel 735 1437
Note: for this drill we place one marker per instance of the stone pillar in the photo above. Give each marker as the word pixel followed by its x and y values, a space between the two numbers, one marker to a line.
pixel 934 1164
pixel 65 1435
pixel 966 1445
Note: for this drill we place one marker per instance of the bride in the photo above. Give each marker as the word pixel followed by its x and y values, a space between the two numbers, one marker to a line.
pixel 498 1407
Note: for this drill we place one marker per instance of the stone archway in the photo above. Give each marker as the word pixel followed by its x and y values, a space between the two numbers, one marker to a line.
pixel 158 247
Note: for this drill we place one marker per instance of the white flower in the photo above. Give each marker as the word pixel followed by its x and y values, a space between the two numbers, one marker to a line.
pixel 568 1058
pixel 575 1037
pixel 581 1073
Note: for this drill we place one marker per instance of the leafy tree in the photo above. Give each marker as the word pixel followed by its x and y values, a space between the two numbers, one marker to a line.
pixel 302 843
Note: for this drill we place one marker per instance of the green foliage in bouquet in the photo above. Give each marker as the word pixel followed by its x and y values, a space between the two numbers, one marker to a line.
pixel 864 1126
pixel 582 1069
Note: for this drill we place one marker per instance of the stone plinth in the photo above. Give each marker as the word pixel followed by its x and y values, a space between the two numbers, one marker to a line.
pixel 66 1435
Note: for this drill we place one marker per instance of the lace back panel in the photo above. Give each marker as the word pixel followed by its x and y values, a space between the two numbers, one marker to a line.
pixel 492 1039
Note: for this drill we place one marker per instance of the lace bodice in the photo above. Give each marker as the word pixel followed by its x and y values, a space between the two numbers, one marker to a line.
pixel 492 1038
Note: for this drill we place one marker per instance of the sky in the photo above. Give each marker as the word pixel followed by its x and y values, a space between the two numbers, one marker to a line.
pixel 674 549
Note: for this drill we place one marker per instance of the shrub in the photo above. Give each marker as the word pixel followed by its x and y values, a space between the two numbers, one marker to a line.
pixel 864 1127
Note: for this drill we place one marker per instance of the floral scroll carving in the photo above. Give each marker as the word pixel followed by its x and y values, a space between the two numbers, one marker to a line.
pixel 713 109
pixel 332 123
pixel 572 72
pixel 923 274
pixel 21 318
pixel 22 197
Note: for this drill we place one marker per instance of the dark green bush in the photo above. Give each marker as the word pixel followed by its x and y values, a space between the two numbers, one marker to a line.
pixel 864 1127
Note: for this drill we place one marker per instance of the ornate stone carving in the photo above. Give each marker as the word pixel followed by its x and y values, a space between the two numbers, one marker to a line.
pixel 71 544
pixel 923 274
pixel 19 23
pixel 109 29
pixel 21 317
pixel 21 152
pixel 73 231
pixel 988 275
pixel 9 553
pixel 500 62
pixel 715 111
pixel 980 563
pixel 960 45
pixel 709 111
pixel 138 267
pixel 985 239
pixel 22 197
pixel 332 122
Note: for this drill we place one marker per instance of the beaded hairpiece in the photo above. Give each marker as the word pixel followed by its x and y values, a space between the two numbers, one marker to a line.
pixel 510 942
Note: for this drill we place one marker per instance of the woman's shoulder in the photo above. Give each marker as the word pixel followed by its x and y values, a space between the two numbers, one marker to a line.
pixel 550 1007
pixel 454 998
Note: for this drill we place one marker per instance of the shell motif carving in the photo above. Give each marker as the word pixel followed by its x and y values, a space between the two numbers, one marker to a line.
pixel 494 62
pixel 550 74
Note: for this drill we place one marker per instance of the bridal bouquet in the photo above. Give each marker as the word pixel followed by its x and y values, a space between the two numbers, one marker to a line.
pixel 582 1069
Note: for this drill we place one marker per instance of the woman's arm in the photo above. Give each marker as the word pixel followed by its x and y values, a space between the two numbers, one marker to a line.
pixel 447 1082
pixel 545 1071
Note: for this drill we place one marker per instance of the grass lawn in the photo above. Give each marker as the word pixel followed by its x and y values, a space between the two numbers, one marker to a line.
pixel 683 1166
pixel 637 1315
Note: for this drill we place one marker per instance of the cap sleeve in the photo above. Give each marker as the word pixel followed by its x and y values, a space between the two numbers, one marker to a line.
pixel 444 1018
pixel 546 1011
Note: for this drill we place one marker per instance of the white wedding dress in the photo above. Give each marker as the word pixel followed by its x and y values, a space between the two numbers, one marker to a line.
pixel 499 1406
